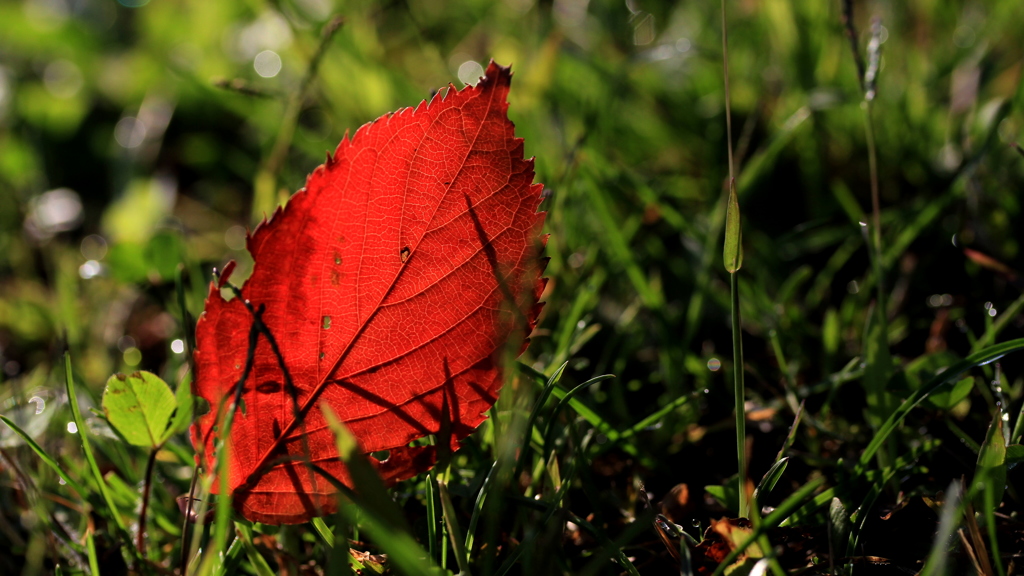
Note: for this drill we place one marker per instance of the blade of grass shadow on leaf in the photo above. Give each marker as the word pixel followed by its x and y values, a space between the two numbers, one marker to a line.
pixel 45 457
pixel 83 433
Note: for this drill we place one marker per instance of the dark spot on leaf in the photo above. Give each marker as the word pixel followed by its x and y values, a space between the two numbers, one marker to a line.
pixel 269 387
pixel 326 322
pixel 335 278
pixel 447 183
pixel 337 259
pixel 404 254
pixel 322 355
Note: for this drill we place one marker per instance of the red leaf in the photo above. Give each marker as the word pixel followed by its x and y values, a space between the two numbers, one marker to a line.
pixel 391 283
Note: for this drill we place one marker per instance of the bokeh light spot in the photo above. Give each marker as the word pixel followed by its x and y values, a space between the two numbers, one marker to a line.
pixel 267 64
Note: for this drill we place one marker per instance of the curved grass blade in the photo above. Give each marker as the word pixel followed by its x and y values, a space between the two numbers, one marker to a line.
pixel 44 456
pixel 256 560
pixel 549 430
pixel 772 520
pixel 939 555
pixel 478 506
pixel 83 433
pixel 952 373
pixel 534 413
pixel 454 531
pixel 771 478
pixel 404 553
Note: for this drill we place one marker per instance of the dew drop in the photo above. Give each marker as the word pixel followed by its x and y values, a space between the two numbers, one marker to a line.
pixel 327 322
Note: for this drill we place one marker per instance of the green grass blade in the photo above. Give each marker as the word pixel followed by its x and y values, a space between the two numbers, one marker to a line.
pixel 948 520
pixel 549 430
pixel 771 477
pixel 44 456
pixel 788 506
pixel 534 413
pixel 367 483
pixel 90 547
pixel 432 521
pixel 454 531
pixel 324 531
pixel 404 554
pixel 952 373
pixel 83 433
pixel 256 560
pixel 478 506
pixel 1011 313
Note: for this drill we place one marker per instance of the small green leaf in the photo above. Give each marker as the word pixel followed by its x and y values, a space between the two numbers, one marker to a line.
pixel 838 530
pixel 733 253
pixel 727 494
pixel 771 477
pixel 139 406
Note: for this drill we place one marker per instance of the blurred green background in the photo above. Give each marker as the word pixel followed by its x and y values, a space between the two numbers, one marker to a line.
pixel 133 136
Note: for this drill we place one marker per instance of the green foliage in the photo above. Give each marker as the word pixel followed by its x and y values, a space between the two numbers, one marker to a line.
pixel 133 136
pixel 139 406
